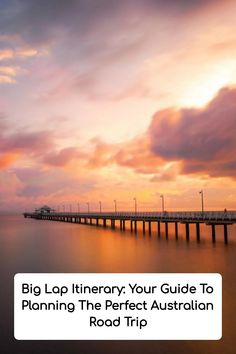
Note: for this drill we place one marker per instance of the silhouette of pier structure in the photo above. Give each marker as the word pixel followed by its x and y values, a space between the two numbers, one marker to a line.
pixel 213 219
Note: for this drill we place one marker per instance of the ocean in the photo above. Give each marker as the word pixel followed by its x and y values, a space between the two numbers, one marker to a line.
pixel 28 246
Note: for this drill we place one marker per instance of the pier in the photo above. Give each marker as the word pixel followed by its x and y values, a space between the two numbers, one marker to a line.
pixel 213 219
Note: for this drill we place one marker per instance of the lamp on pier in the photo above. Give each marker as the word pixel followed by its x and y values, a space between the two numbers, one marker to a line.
pixel 202 200
pixel 115 203
pixel 135 205
pixel 163 202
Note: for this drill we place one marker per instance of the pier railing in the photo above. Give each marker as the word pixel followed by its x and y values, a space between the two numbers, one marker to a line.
pixel 211 218
pixel 184 215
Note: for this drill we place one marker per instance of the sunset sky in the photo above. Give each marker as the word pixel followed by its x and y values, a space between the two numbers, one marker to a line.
pixel 105 99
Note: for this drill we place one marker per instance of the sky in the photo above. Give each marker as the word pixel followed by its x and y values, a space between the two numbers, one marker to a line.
pixel 104 100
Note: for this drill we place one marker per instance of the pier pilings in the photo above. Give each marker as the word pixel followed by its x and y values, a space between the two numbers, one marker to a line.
pixel 93 219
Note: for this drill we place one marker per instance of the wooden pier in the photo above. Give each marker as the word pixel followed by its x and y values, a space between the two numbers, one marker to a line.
pixel 212 219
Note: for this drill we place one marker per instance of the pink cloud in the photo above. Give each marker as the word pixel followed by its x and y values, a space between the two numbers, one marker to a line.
pixel 7 160
pixel 63 157
pixel 137 155
pixel 202 139
pixel 37 182
pixel 194 141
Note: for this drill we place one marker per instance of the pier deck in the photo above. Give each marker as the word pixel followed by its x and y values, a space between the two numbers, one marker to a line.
pixel 211 218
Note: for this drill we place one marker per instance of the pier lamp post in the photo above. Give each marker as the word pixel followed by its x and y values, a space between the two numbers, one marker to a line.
pixel 135 205
pixel 63 208
pixel 202 200
pixel 70 208
pixel 163 202
pixel 88 207
pixel 115 203
pixel 78 208
pixel 100 206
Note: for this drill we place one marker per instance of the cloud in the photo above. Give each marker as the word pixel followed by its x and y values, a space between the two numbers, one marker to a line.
pixel 102 153
pixel 40 22
pixel 36 147
pixel 6 54
pixel 8 74
pixel 17 53
pixel 7 160
pixel 6 79
pixel 14 55
pixel 95 40
pixel 137 155
pixel 169 172
pixel 63 157
pixel 37 182
pixel 9 184
pixel 57 13
pixel 202 139
pixel 8 70
pixel 19 145
pixel 33 143
pixel 178 141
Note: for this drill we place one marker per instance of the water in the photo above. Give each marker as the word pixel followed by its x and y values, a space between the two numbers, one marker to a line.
pixel 28 245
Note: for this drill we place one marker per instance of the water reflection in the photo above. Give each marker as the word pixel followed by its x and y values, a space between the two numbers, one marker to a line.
pixel 44 246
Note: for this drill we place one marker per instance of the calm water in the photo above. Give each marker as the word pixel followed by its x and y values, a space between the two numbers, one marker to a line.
pixel 44 246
